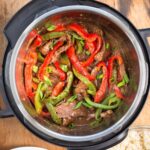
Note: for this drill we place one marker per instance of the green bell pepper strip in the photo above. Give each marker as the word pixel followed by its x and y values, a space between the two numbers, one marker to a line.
pixel 35 80
pixel 35 69
pixel 91 87
pixel 52 35
pixel 53 113
pixel 51 27
pixel 78 105
pixel 126 78
pixel 105 102
pixel 47 81
pixel 124 81
pixel 86 104
pixel 76 36
pixel 72 98
pixel 64 93
pixel 40 57
pixel 64 60
pixel 97 113
pixel 102 106
pixel 79 47
pixel 64 67
pixel 37 99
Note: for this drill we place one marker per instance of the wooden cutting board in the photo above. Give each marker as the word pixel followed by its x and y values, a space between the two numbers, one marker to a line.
pixel 13 133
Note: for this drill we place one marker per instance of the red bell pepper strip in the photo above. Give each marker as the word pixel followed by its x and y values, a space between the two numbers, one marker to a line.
pixel 34 86
pixel 61 73
pixel 32 59
pixel 45 114
pixel 100 94
pixel 37 42
pixel 47 60
pixel 98 47
pixel 118 92
pixel 77 65
pixel 58 88
pixel 32 35
pixel 111 62
pixel 28 74
pixel 89 38
pixel 80 30
pixel 59 28
pixel 90 46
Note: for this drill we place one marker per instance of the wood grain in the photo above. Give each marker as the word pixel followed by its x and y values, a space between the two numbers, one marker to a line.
pixel 13 133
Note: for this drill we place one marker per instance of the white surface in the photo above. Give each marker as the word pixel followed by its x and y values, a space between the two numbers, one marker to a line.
pixel 28 148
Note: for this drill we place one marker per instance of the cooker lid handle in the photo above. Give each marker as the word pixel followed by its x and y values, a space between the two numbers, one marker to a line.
pixel 7 111
pixel 145 33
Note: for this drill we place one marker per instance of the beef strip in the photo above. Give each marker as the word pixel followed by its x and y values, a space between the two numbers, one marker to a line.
pixel 80 90
pixel 107 114
pixel 94 73
pixel 54 79
pixel 82 56
pixel 103 54
pixel 121 70
pixel 68 114
pixel 63 48
pixel 45 48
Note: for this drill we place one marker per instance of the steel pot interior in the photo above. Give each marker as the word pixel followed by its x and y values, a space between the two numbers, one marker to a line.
pixel 117 34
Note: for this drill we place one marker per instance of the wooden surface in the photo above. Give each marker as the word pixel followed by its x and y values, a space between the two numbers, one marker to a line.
pixel 12 132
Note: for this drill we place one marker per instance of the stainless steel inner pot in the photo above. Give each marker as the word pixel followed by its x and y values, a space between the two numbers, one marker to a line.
pixel 118 33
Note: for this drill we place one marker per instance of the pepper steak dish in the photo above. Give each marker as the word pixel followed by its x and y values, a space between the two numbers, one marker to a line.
pixel 73 76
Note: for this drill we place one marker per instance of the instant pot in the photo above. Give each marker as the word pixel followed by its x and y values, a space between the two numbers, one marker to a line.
pixel 133 46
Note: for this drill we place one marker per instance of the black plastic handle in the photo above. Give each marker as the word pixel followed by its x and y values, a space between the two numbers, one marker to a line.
pixel 145 33
pixel 7 112
pixel 107 144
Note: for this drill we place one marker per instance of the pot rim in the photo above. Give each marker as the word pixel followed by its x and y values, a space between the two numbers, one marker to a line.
pixel 143 82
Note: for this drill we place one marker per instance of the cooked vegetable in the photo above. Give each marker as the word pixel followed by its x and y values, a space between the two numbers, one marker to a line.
pixel 77 65
pixel 35 69
pixel 58 88
pixel 37 99
pixel 72 98
pixel 72 76
pixel 47 60
pixel 111 63
pixel 86 104
pixel 64 93
pixel 60 71
pixel 51 27
pixel 118 92
pixel 91 87
pixel 53 113
pixel 64 68
pixel 36 80
pixel 47 81
pixel 89 38
pixel 31 57
pixel 107 45
pixel 100 94
pixel 40 57
pixel 105 107
pixel 52 35
pixel 79 47
pixel 79 104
